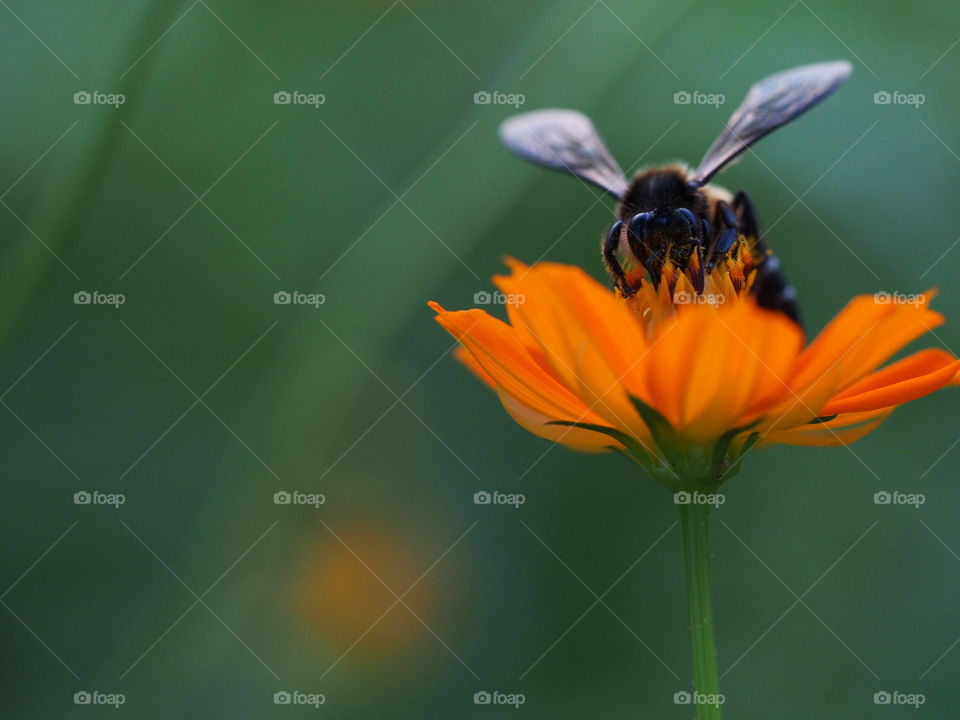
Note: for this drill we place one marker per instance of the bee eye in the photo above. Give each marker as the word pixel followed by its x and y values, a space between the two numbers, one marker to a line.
pixel 638 225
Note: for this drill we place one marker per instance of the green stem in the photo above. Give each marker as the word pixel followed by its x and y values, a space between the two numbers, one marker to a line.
pixel 694 519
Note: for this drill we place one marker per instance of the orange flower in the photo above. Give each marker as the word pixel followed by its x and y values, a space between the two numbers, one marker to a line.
pixel 691 384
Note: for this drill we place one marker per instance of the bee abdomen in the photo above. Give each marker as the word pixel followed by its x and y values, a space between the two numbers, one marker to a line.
pixel 773 292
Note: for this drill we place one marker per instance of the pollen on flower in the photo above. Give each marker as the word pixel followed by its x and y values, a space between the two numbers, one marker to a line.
pixel 722 283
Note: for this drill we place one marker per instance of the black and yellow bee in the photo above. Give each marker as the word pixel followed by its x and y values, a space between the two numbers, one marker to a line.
pixel 671 213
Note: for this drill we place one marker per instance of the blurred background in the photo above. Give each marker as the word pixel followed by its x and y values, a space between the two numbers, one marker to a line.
pixel 168 168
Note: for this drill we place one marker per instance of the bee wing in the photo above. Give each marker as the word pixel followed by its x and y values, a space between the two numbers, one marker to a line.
pixel 564 140
pixel 772 102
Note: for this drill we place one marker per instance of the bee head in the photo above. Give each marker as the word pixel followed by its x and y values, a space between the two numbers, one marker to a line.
pixel 663 234
pixel 663 189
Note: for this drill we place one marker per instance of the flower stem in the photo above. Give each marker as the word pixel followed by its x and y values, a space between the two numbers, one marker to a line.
pixel 694 519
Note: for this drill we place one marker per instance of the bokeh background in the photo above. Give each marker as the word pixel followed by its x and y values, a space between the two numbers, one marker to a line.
pixel 199 398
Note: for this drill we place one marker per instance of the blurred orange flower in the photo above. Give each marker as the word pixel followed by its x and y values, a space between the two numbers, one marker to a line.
pixel 345 593
pixel 668 367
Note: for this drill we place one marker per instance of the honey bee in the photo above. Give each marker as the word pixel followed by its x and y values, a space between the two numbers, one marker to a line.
pixel 672 213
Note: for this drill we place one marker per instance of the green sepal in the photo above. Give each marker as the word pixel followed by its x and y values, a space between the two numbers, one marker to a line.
pixel 674 461
pixel 665 437
pixel 692 466
pixel 735 460
pixel 632 449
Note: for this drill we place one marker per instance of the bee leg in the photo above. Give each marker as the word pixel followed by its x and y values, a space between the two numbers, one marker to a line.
pixel 725 240
pixel 650 258
pixel 636 239
pixel 724 216
pixel 654 265
pixel 746 215
pixel 697 239
pixel 727 233
pixel 614 267
pixel 709 240
pixel 690 219
pixel 698 277
pixel 706 230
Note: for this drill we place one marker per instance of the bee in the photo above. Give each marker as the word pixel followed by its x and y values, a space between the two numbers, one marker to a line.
pixel 672 213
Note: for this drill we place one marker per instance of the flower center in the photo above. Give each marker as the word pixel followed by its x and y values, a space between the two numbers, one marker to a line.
pixel 717 282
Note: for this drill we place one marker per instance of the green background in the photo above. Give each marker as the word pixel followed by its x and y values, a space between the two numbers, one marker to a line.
pixel 393 192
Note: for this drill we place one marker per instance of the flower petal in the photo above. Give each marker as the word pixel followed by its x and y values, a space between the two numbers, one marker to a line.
pixel 857 341
pixel 842 430
pixel 715 369
pixel 577 438
pixel 913 377
pixel 466 357
pixel 606 395
pixel 498 352
pixel 864 335
pixel 560 309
